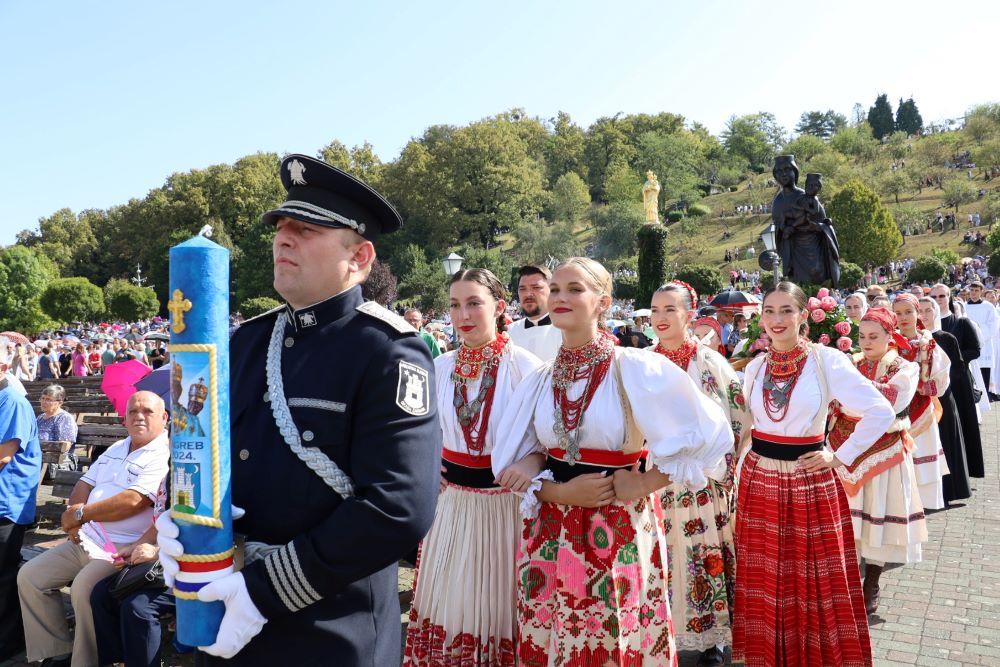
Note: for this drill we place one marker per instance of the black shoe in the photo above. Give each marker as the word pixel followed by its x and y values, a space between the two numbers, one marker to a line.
pixel 711 656
pixel 57 662
pixel 994 397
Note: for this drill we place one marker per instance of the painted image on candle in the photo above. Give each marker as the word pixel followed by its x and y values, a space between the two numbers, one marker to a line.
pixel 191 418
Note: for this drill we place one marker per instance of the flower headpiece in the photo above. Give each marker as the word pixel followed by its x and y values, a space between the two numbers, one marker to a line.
pixel 692 294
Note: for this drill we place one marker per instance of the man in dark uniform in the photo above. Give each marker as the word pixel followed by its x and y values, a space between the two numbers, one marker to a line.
pixel 347 484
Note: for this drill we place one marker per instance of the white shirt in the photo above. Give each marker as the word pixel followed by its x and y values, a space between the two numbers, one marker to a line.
pixel 515 365
pixel 686 432
pixel 855 392
pixel 542 341
pixel 984 314
pixel 118 470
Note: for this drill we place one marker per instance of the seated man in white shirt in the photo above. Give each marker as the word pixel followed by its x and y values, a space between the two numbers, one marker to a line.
pixel 110 508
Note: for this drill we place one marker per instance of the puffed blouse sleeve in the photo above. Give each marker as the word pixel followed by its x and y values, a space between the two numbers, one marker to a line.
pixel 856 393
pixel 902 386
pixel 940 374
pixel 516 436
pixel 686 432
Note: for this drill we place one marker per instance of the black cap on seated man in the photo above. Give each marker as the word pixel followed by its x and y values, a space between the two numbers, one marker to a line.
pixel 348 484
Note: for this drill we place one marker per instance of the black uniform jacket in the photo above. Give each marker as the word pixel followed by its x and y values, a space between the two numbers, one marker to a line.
pixel 359 384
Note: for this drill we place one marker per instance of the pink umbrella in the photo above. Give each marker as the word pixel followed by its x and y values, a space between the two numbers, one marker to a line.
pixel 15 337
pixel 119 382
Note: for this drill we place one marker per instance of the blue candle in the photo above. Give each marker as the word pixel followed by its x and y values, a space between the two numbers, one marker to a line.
pixel 200 498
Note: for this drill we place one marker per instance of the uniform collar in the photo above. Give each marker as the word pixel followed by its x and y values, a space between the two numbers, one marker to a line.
pixel 324 312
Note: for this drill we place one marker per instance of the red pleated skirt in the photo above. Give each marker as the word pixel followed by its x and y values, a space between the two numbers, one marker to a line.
pixel 798 587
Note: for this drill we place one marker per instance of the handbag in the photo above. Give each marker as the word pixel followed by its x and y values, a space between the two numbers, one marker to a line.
pixel 134 578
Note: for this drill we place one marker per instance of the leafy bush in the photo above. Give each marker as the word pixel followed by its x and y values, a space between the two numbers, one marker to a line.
pixel 257 305
pixel 626 287
pixel 993 264
pixel 675 216
pixel 652 241
pixel 125 301
pixel 927 269
pixel 946 256
pixel 698 210
pixel 851 275
pixel 72 300
pixel 707 280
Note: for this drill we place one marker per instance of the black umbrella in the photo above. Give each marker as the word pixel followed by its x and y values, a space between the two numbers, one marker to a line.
pixel 731 298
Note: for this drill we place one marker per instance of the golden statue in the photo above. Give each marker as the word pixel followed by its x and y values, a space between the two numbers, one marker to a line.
pixel 651 197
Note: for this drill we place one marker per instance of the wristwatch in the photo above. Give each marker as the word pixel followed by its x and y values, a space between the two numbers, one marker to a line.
pixel 79 514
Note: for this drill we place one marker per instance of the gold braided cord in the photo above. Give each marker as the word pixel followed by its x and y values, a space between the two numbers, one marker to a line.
pixel 205 558
pixel 215 522
pixel 184 595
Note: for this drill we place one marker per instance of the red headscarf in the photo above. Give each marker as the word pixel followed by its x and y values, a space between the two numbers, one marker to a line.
pixel 886 319
pixel 911 299
pixel 716 327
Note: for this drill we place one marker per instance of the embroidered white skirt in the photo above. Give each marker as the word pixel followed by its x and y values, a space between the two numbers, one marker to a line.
pixel 929 466
pixel 888 517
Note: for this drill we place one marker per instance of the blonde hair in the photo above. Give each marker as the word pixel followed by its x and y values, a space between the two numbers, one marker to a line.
pixel 595 275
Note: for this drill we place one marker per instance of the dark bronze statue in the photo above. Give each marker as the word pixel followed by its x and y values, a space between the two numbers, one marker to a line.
pixel 806 240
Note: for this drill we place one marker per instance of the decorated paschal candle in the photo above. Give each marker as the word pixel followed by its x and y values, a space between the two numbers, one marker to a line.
pixel 200 493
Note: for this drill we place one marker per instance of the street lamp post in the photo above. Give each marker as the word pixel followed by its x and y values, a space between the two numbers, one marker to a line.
pixel 770 260
pixel 452 264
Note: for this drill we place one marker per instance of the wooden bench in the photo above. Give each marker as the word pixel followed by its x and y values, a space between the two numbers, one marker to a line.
pixel 65 480
pixel 55 451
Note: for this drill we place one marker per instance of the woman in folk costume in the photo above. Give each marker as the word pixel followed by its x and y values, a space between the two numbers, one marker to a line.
pixel 698 523
pixel 464 607
pixel 592 567
pixel 881 486
pixel 708 331
pixel 929 463
pixel 798 589
pixel 958 407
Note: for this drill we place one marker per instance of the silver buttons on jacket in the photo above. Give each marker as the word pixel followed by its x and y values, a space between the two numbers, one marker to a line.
pixel 308 436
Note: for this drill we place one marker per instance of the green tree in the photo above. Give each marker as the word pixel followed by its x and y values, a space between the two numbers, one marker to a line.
pixel 946 255
pixel 893 184
pixel 617 225
pixel 753 139
pixel 865 227
pixel 706 280
pixel 381 285
pixel 570 198
pixel 653 268
pixel 908 118
pixel 927 269
pixel 622 184
pixel 607 143
pixel 536 242
pixel 68 300
pixel 128 302
pixel 564 149
pixel 805 147
pixel 822 124
pixel 24 275
pixel 857 141
pixel 981 124
pixel 880 117
pixel 421 281
pixel 959 192
pixel 257 305
pixel 991 209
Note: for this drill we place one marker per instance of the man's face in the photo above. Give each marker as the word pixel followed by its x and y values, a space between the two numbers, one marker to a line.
pixel 940 295
pixel 414 318
pixel 145 417
pixel 976 292
pixel 312 262
pixel 724 317
pixel 533 293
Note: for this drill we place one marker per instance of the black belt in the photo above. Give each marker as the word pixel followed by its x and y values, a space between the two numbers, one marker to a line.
pixel 476 478
pixel 782 452
pixel 564 472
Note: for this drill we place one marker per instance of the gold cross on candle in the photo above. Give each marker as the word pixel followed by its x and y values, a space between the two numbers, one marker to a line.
pixel 177 306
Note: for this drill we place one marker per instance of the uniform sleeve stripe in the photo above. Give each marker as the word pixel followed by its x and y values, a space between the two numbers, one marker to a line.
pixel 277 584
pixel 285 573
pixel 307 590
pixel 293 582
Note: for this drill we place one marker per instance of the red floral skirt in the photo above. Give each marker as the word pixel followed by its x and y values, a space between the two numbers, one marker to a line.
pixel 798 588
pixel 592 587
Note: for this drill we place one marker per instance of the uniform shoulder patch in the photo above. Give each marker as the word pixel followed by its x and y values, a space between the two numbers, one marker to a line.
pixel 264 315
pixel 372 309
pixel 413 389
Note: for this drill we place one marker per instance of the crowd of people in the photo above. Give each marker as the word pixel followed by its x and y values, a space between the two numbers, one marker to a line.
pixel 700 478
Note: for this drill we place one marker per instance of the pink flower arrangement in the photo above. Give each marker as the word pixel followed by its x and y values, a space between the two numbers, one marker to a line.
pixel 822 293
pixel 824 339
pixel 844 343
pixel 828 303
pixel 817 315
pixel 813 303
pixel 843 328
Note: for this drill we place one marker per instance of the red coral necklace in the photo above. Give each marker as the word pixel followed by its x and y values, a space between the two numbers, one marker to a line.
pixel 471 363
pixel 588 362
pixel 781 375
pixel 682 356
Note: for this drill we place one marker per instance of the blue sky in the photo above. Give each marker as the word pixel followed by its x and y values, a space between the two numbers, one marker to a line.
pixel 103 101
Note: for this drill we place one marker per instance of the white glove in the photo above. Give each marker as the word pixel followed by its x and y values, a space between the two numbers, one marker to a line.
pixel 170 548
pixel 242 620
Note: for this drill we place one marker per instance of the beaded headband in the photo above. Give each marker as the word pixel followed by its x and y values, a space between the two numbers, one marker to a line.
pixel 692 294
